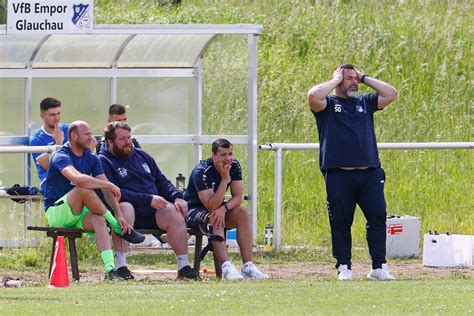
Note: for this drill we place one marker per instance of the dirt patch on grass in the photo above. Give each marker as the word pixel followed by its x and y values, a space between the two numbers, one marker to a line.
pixel 360 271
pixel 308 271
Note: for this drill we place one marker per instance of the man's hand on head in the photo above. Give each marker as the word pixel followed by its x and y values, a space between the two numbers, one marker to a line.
pixel 338 75
pixel 359 73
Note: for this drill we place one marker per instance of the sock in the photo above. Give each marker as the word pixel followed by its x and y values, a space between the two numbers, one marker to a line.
pixel 108 259
pixel 113 222
pixel 183 260
pixel 120 259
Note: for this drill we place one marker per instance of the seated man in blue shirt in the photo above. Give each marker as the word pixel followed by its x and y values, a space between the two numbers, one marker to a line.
pixel 149 200
pixel 349 160
pixel 51 133
pixel 70 199
pixel 208 211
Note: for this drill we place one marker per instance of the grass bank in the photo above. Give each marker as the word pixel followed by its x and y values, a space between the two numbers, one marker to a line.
pixel 424 48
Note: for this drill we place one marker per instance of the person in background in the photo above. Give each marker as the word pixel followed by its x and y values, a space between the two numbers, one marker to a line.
pixel 52 132
pixel 117 113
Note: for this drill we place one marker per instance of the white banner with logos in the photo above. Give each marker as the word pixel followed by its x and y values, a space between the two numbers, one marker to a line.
pixel 50 16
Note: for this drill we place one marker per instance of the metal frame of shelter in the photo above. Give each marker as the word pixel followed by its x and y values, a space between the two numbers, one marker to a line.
pixel 125 36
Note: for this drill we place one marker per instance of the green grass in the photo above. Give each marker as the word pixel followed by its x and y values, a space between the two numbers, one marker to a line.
pixel 280 297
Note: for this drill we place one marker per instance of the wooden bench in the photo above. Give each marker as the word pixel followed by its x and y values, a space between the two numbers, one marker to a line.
pixel 72 233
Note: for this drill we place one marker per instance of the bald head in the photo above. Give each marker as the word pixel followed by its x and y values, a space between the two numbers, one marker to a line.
pixel 76 127
pixel 80 135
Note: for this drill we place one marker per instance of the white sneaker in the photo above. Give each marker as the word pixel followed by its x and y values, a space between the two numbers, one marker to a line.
pixel 250 271
pixel 229 272
pixel 380 274
pixel 344 273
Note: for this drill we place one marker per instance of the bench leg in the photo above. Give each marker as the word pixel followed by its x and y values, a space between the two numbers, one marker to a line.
pixel 197 252
pixel 73 254
pixel 52 256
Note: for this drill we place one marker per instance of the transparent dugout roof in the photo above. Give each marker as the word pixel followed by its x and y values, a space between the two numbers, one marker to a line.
pixel 112 49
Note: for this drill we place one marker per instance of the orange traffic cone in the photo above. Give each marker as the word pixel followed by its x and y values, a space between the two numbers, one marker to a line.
pixel 59 274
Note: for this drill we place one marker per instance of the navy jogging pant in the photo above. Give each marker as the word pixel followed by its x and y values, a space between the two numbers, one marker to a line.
pixel 345 189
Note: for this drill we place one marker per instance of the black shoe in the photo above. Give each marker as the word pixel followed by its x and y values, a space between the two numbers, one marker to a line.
pixel 113 275
pixel 133 237
pixel 188 273
pixel 125 273
pixel 159 237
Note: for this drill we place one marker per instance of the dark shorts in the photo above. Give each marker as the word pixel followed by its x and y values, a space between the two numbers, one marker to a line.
pixel 145 222
pixel 198 218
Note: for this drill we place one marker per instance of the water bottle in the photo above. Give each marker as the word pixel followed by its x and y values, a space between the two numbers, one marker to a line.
pixel 268 237
pixel 7 282
pixel 180 182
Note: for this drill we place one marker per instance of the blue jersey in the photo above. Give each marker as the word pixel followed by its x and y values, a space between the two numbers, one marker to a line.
pixel 346 132
pixel 205 176
pixel 43 138
pixel 138 178
pixel 58 185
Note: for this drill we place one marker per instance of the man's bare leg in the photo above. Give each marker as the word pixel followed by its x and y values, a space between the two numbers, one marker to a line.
pixel 129 214
pixel 238 217
pixel 78 197
pixel 172 221
pixel 96 223
pixel 219 247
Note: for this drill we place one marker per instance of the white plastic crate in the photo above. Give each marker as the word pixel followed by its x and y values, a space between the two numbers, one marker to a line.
pixel 448 250
pixel 403 236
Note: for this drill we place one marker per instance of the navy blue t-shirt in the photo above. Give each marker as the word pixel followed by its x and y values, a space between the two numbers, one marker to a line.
pixel 58 185
pixel 205 176
pixel 346 132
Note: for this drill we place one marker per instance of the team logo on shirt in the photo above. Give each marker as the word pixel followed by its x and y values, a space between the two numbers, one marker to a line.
pixel 122 172
pixel 359 108
pixel 146 168
pixel 337 108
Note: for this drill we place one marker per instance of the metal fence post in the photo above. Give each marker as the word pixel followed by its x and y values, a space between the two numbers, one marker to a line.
pixel 278 186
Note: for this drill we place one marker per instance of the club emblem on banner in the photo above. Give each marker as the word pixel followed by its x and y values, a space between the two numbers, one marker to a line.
pixel 81 17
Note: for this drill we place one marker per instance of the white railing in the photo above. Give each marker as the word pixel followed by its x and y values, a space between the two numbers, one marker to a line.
pixel 28 149
pixel 279 147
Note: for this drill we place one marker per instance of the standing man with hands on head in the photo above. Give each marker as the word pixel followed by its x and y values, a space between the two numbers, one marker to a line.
pixel 209 212
pixel 349 161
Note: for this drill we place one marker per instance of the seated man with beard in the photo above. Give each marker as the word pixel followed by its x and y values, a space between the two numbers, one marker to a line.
pixel 149 200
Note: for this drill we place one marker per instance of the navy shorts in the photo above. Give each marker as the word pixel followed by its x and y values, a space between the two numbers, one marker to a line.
pixel 198 218
pixel 145 222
